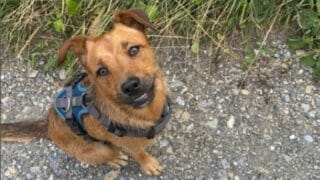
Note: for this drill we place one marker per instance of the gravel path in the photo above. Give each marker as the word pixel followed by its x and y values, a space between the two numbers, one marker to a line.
pixel 228 125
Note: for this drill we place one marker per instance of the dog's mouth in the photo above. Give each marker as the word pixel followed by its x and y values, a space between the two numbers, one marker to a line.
pixel 140 100
pixel 144 99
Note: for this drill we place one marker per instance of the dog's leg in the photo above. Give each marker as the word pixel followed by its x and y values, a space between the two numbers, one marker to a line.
pixel 136 148
pixel 88 151
pixel 148 164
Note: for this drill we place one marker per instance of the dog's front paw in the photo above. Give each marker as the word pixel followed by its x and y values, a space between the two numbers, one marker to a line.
pixel 151 166
pixel 119 161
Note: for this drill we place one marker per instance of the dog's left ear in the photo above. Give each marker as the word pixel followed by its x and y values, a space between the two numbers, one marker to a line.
pixel 76 44
pixel 135 18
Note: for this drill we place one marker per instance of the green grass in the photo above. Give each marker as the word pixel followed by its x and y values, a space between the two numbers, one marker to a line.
pixel 32 26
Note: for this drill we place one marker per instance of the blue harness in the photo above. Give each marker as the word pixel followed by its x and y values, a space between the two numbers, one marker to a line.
pixel 72 102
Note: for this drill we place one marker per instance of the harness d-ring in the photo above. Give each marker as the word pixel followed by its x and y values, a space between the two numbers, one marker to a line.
pixel 68 104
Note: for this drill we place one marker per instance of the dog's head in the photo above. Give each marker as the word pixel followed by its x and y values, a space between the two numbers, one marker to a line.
pixel 120 62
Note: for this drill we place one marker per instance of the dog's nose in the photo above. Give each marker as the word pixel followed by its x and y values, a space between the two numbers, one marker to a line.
pixel 131 86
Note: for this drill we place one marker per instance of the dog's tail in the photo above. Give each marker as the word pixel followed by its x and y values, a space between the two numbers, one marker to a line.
pixel 24 131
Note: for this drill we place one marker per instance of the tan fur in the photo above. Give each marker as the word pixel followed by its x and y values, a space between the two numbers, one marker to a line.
pixel 110 50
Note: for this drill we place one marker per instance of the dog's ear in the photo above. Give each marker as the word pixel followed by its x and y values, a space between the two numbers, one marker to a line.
pixel 135 18
pixel 76 44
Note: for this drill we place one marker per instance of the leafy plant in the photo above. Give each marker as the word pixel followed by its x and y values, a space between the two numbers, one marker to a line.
pixel 308 43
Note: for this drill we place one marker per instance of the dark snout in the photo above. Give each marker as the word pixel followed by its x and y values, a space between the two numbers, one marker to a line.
pixel 137 92
pixel 131 86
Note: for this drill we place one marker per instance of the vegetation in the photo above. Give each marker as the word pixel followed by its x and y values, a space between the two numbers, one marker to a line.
pixel 33 26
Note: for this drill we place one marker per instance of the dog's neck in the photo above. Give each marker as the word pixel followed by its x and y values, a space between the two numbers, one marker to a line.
pixel 127 115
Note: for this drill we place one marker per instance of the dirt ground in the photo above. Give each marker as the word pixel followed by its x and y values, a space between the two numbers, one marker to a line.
pixel 226 123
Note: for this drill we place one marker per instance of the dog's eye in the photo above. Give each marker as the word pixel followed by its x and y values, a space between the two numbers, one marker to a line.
pixel 134 50
pixel 102 71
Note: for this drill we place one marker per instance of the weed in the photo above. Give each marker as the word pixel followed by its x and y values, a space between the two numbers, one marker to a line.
pixel 307 40
pixel 29 22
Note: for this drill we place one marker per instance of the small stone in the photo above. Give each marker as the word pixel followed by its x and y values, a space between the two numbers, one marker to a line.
pixel 225 164
pixel 51 177
pixel 292 136
pixel 312 114
pixel 178 113
pixel 176 84
pixel 169 150
pixel 180 101
pixel 26 109
pixel 286 98
pixel 33 74
pixel 272 148
pixel 213 124
pixel 111 175
pixel 245 92
pixel 285 67
pixel 190 127
pixel 205 103
pixel 287 158
pixel 11 172
pixel 62 74
pixel 3 117
pixel 308 138
pixel 164 143
pixel 305 107
pixel 185 116
pixel 231 122
pixel 35 170
pixel 235 92
pixel 309 89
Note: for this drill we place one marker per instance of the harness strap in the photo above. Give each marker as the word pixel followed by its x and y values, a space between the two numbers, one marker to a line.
pixel 72 102
pixel 129 131
pixel 69 110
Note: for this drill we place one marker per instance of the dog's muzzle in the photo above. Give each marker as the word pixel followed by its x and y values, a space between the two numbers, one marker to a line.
pixel 136 92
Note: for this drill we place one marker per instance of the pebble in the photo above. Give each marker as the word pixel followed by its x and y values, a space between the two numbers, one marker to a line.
pixel 185 116
pixel 305 107
pixel 5 102
pixel 231 122
pixel 292 136
pixel 190 127
pixel 245 92
pixel 286 98
pixel 309 89
pixel 213 124
pixel 111 175
pixel 169 150
pixel 312 114
pixel 11 172
pixel 35 170
pixel 176 84
pixel 225 164
pixel 3 116
pixel 206 103
pixel 308 138
pixel 164 143
pixel 180 101
pixel 272 148
pixel 51 177
pixel 33 74
pixel 62 74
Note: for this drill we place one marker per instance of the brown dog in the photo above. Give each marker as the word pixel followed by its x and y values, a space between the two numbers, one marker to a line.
pixel 127 86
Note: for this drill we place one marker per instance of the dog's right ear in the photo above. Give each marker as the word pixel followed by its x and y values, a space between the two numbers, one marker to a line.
pixel 76 44
pixel 135 18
